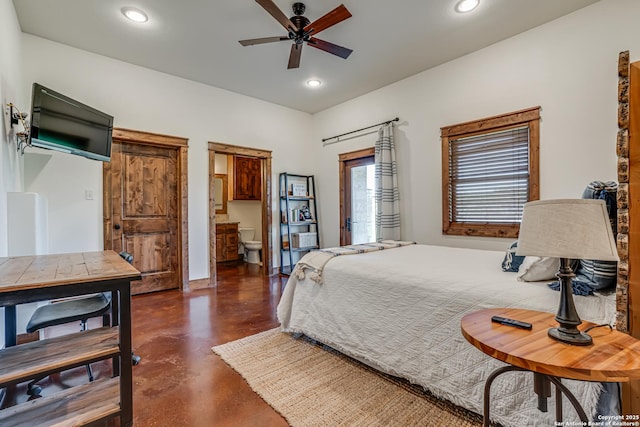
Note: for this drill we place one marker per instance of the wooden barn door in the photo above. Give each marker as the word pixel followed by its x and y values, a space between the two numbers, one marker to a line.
pixel 145 211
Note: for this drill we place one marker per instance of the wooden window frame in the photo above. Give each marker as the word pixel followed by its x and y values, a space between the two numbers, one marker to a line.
pixel 529 117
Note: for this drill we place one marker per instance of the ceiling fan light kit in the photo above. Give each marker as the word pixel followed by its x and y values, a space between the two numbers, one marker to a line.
pixel 301 30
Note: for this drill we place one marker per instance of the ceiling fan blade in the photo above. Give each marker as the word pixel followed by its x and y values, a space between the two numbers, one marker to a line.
pixel 250 42
pixel 274 11
pixel 340 51
pixel 337 15
pixel 294 57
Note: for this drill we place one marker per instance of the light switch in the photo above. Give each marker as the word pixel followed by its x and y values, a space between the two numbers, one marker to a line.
pixel 88 194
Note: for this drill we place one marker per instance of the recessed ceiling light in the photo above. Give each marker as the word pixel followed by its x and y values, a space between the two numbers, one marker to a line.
pixel 466 5
pixel 314 83
pixel 135 15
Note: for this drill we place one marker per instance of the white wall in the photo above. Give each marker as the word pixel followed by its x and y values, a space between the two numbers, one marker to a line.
pixel 147 100
pixel 10 91
pixel 568 67
pixel 64 180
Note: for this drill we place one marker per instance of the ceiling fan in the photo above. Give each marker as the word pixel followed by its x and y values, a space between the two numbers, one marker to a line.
pixel 301 30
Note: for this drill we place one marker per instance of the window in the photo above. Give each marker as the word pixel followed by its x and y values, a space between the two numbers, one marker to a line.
pixel 489 171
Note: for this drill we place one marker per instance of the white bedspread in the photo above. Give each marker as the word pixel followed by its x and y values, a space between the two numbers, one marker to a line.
pixel 399 311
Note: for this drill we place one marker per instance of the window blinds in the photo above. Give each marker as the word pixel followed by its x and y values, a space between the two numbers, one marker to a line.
pixel 489 176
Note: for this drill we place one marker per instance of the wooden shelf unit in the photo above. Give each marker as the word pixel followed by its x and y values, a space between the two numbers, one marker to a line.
pixel 48 277
pixel 289 225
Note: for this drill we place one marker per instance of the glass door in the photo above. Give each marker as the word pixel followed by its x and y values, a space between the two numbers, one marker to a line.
pixel 358 204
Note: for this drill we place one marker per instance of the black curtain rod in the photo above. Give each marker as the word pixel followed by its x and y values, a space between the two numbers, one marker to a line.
pixel 359 130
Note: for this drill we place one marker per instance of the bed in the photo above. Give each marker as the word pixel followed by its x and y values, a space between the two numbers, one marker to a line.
pixel 423 342
pixel 405 321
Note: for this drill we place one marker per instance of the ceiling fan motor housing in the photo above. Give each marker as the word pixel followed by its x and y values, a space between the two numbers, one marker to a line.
pixel 300 22
pixel 298 8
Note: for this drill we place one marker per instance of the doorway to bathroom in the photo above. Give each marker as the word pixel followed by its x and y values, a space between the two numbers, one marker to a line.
pixel 264 233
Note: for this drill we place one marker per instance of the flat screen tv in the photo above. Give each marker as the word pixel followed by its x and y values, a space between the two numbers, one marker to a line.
pixel 64 124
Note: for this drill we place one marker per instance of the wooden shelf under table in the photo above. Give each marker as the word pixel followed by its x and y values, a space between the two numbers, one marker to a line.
pixel 27 361
pixel 80 405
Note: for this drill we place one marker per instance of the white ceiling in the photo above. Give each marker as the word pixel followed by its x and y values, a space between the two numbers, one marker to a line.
pixel 198 40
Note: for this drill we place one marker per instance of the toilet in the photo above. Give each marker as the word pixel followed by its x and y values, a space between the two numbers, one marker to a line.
pixel 251 247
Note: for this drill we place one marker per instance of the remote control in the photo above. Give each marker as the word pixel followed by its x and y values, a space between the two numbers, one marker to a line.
pixel 511 322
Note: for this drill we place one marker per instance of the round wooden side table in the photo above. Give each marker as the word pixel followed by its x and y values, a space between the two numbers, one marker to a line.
pixel 613 357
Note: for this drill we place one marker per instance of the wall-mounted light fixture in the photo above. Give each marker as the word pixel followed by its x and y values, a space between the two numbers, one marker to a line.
pixel 16 117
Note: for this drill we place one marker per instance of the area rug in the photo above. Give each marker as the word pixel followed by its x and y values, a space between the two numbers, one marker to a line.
pixel 313 385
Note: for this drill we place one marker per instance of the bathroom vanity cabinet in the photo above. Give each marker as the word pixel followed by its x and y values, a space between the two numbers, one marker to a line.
pixel 226 241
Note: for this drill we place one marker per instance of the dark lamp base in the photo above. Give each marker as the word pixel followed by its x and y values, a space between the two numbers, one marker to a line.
pixel 567 315
pixel 574 338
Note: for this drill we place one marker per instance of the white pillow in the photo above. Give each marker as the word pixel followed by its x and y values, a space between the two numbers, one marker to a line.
pixel 534 269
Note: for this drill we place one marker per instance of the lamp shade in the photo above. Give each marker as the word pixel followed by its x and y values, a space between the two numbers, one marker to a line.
pixel 567 228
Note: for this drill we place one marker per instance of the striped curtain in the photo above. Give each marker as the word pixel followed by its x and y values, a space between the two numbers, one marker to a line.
pixel 386 186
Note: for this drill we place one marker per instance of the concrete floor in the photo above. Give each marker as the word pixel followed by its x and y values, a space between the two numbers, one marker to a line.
pixel 180 381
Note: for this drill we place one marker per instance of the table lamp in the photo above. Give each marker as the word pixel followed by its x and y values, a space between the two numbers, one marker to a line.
pixel 567 229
